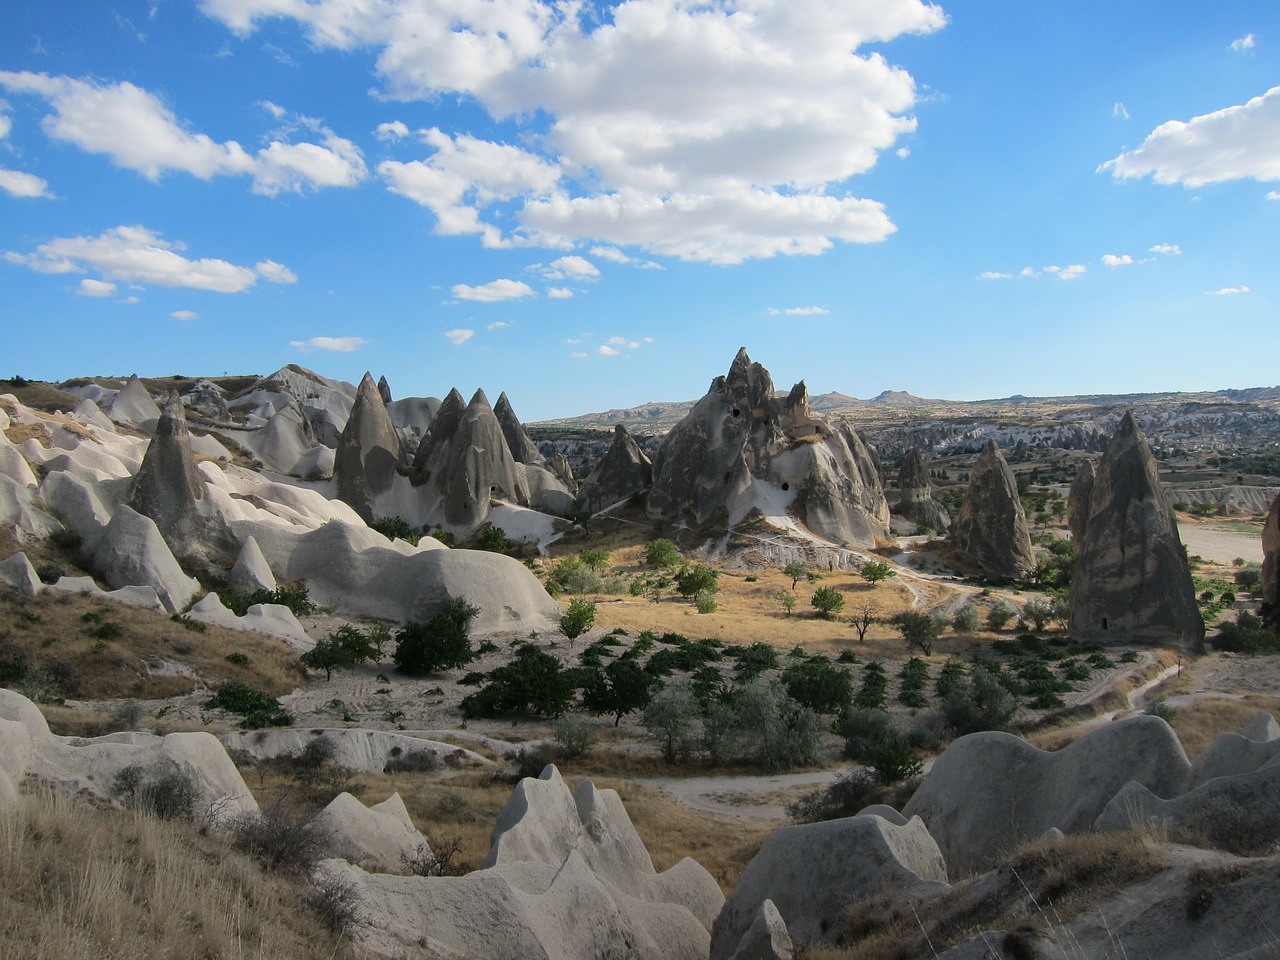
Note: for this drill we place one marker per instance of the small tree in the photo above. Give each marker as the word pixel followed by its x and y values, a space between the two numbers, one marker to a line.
pixel 873 571
pixel 819 685
pixel 595 559
pixel 494 539
pixel 534 681
pixel 966 619
pixel 670 718
pixel 661 554
pixel 623 686
pixel 863 618
pixel 442 643
pixel 578 619
pixel 828 601
pixel 695 580
pixel 781 732
pixel 342 649
pixel 797 571
pixel 920 630
pixel 787 599
pixel 1037 613
pixel 998 617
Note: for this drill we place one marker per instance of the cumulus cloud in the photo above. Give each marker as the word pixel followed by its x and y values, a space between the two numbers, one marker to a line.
pixel 1166 249
pixel 1236 143
pixel 607 351
pixel 275 272
pixel 184 314
pixel 134 254
pixel 571 267
pixel 96 288
pixel 1117 260
pixel 337 344
pixel 19 184
pixel 395 130
pixel 657 121
pixel 1227 291
pixel 494 291
pixel 995 275
pixel 623 342
pixel 498 325
pixel 459 336
pixel 1273 195
pixel 139 132
pixel 1067 273
pixel 797 311
pixel 560 293
pixel 1247 42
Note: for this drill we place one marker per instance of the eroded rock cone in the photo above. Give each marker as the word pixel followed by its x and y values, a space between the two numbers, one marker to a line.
pixel 1131 579
pixel 384 390
pixel 916 502
pixel 368 452
pixel 622 472
pixel 1271 567
pixel 518 440
pixel 741 447
pixel 133 405
pixel 168 486
pixel 991 527
pixel 1078 500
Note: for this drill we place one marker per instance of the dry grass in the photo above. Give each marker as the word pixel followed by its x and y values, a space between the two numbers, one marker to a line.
pixel 1199 724
pixel 87 884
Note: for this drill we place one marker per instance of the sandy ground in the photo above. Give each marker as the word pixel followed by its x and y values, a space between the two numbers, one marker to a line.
pixel 1221 544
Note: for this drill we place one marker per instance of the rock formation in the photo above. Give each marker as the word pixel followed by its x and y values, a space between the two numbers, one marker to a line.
pixel 368 454
pixel 521 445
pixel 1078 500
pixel 206 398
pixel 741 449
pixel 133 405
pixel 132 552
pixel 1023 791
pixel 916 494
pixel 167 487
pixel 384 390
pixel 1271 566
pixel 1243 751
pixel 991 526
pixel 623 472
pixel 377 839
pixel 812 873
pixel 1131 579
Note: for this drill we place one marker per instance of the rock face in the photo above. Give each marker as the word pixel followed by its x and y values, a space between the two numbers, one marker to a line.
pixel 134 406
pixel 132 553
pixel 1271 566
pixel 1131 578
pixel 623 472
pixel 988 792
pixel 916 499
pixel 814 871
pixel 368 452
pixel 167 486
pixel 521 445
pixel 991 527
pixel 1243 751
pixel 741 448
pixel 1078 500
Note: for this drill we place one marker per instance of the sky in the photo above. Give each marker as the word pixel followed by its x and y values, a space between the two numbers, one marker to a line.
pixel 593 205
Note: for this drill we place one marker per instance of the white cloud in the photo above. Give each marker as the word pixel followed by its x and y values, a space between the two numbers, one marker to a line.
pixel 337 344
pixel 134 254
pixel 184 315
pixel 1236 143
pixel 96 288
pixel 1067 273
pixel 459 337
pixel 612 254
pixel 713 132
pixel 623 342
pixel 1120 110
pixel 6 122
pixel 560 293
pixel 1227 291
pixel 274 109
pixel 1168 249
pixel 19 184
pixel 275 272
pixel 1028 272
pixel 494 291
pixel 797 311
pixel 607 351
pixel 995 275
pixel 395 130
pixel 579 355
pixel 498 325
pixel 903 152
pixel 573 267
pixel 1247 42
pixel 138 132
pixel 1117 260
pixel 1273 195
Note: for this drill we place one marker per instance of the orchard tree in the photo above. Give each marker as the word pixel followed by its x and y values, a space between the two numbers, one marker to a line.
pixel 661 554
pixel 873 571
pixel 828 601
pixel 578 619
pixel 920 630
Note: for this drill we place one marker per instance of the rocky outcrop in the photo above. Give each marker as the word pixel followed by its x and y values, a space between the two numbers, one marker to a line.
pixel 384 390
pixel 251 572
pixel 1078 500
pixel 368 453
pixel 1131 580
pixel 1022 791
pixel 767 937
pixel 916 494
pixel 623 472
pixel 132 553
pixel 812 873
pixel 742 449
pixel 1271 566
pixel 167 487
pixel 1242 751
pixel 133 405
pixel 991 527
pixel 521 445
pixel 377 839
pixel 206 398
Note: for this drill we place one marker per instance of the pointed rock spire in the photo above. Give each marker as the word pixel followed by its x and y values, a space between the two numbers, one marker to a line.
pixel 991 527
pixel 133 405
pixel 1131 579
pixel 167 485
pixel 1078 500
pixel 518 440
pixel 622 472
pixel 916 497
pixel 443 428
pixel 384 390
pixel 368 452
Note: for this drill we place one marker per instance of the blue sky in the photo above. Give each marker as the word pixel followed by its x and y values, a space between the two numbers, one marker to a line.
pixel 592 205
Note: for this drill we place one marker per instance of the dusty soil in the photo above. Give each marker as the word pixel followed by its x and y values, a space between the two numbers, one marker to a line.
pixel 1222 541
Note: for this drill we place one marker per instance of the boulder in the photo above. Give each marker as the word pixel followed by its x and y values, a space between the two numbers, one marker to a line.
pixel 251 572
pixel 814 871
pixel 623 472
pixel 17 572
pixel 1022 791
pixel 991 526
pixel 1131 580
pixel 378 839
pixel 741 449
pixel 167 487
pixel 132 553
pixel 368 453
pixel 766 938
pixel 916 494
pixel 133 406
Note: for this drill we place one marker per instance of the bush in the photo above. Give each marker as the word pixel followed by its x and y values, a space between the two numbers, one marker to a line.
pixel 864 730
pixel 1248 634
pixel 341 649
pixel 873 571
pixel 256 709
pixel 894 760
pixel 780 732
pixel 166 792
pixel 754 659
pixel 706 604
pixel 442 643
pixel 844 796
pixel 817 684
pixel 828 601
pixel 575 735
pixel 534 681
pixel 694 580
pixel 279 839
pixel 966 619
pixel 394 528
pixel 578 618
pixel 415 761
pixel 670 718
pixel 912 682
pixel 296 598
pixel 999 616
pixel 340 905
pixel 494 539
pixel 978 702
pixel 871 693
pixel 919 630
pixel 622 687
pixel 661 554
pixel 1038 613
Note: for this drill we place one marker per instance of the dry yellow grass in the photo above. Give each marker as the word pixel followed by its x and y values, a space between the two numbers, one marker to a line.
pixel 1199 724
pixel 87 884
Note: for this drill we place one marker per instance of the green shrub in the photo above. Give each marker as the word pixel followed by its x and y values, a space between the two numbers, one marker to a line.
pixel 395 528
pixel 828 601
pixel 441 643
pixel 256 709
pixel 533 682
pixel 578 619
pixel 661 554
pixel 238 659
pixel 819 685
pixel 296 598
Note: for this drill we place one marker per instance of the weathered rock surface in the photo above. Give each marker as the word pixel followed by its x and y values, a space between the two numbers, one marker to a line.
pixel 133 405
pixel 916 494
pixel 622 473
pixel 1271 563
pixel 273 619
pixel 1078 499
pixel 207 398
pixel 377 839
pixel 17 572
pixel 1131 580
pixel 521 445
pixel 132 553
pixel 251 572
pixel 812 873
pixel 741 448
pixel 988 792
pixel 368 452
pixel 365 751
pixel 991 526
pixel 766 938
pixel 1243 751
pixel 167 487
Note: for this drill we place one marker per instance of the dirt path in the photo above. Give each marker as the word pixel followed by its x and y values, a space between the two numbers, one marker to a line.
pixel 1220 546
